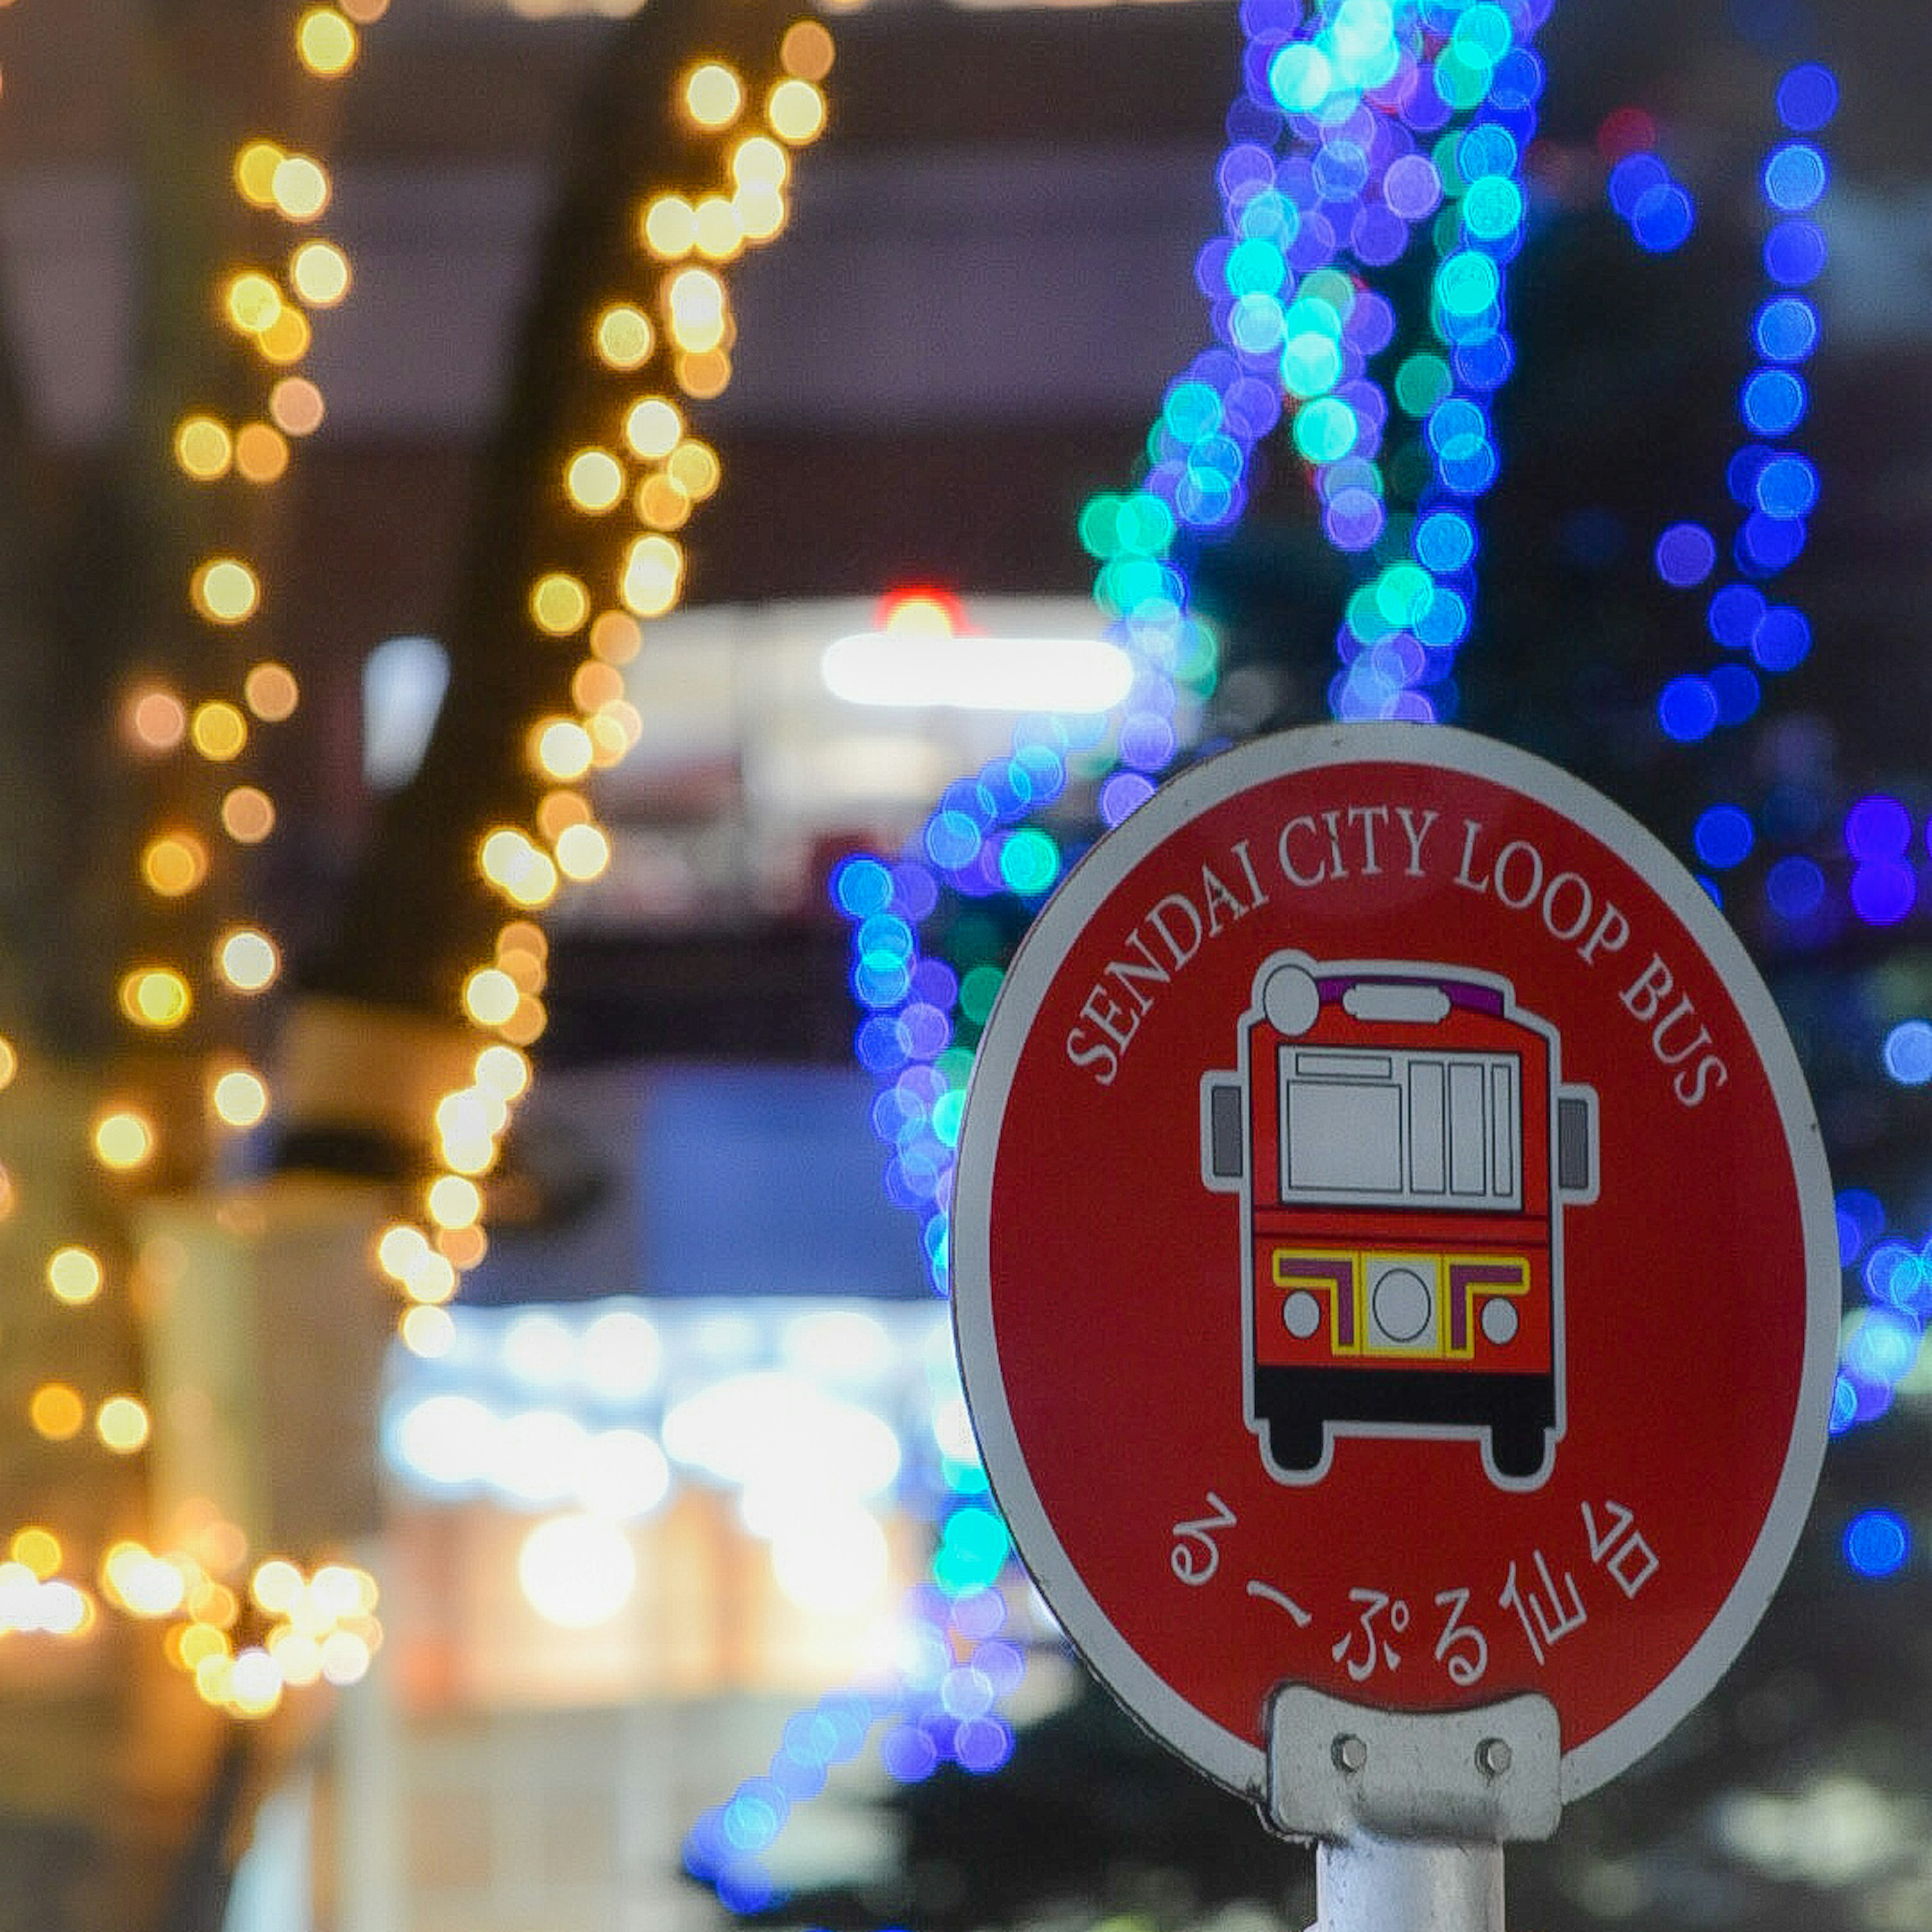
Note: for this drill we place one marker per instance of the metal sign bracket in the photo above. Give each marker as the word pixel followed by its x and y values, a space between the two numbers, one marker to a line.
pixel 1410 1811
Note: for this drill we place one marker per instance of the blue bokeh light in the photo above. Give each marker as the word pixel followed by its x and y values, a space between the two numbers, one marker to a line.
pixel 1807 97
pixel 1877 1543
pixel 1908 1053
pixel 1685 555
pixel 1723 836
pixel 1687 709
pixel 1795 887
pixel 1878 827
pixel 1795 176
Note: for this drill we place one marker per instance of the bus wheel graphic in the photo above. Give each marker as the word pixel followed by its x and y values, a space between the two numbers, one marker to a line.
pixel 1404 1148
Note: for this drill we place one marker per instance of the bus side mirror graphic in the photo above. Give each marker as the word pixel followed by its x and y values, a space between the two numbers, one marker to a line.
pixel 1223 1133
pixel 1576 1143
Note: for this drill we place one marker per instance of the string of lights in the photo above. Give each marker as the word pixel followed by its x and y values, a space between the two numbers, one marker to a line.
pixel 243 1635
pixel 1775 487
pixel 662 349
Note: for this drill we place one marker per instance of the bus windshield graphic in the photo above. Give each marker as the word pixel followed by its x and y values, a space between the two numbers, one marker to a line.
pixel 1403 1147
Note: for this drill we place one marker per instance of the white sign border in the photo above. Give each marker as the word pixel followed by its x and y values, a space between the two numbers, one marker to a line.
pixel 1231 1759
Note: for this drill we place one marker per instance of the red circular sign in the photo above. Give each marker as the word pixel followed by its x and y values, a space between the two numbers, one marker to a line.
pixel 1394 1253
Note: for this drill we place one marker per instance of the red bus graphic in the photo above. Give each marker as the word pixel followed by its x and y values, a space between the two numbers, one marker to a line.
pixel 1402 1144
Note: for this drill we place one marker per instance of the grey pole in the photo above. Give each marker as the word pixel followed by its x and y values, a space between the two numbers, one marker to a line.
pixel 1369 1884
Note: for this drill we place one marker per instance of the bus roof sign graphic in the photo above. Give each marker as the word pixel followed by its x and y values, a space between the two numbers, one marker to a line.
pixel 1394 1259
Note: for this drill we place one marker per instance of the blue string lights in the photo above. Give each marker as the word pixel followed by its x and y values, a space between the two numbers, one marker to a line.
pixel 1366 126
pixel 1773 484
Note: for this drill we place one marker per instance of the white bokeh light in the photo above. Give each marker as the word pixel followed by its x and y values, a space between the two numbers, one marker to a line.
pixel 833 1559
pixel 447 1440
pixel 624 1474
pixel 769 1428
pixel 577 1570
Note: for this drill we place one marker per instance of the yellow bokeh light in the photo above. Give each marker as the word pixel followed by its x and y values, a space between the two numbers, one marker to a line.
pixel 157 997
pixel 719 234
pixel 75 1275
pixel 287 339
pixel 616 638
pixel 124 1139
pixel 704 373
pixel 463 1248
pixel 652 427
pixel 806 50
pixel 454 1200
pixel 696 317
pixel 556 811
pixel 435 1281
pixel 255 1688
pixel 174 864
pixel 594 481
pixel 653 575
pixel 503 1071
pixel 275 1584
pixel 560 748
pixel 489 996
pixel 593 683
pixel 261 453
pixel 694 468
pixel 663 504
pixel 239 1098
pixel 271 692
pixel 122 1422
pixel 155 720
pixel 326 42
pixel 253 301
pixel 669 226
pixel 219 731
pixel 246 958
pixel 761 211
pixel 203 448
pixel 225 591
pixel 296 405
pixel 758 161
pixel 143 1583
pixel 197 1642
pixel 714 96
pixel 247 815
pixel 365 13
pixel 560 604
pixel 401 1250
pixel 300 186
pixel 525 1026
pixel 582 853
pixel 614 730
pixel 38 1549
pixel 255 168
pixel 517 868
pixel 428 1333
pixel 10 1065
pixel 624 336
pixel 795 111
pixel 56 1411
pixel 318 273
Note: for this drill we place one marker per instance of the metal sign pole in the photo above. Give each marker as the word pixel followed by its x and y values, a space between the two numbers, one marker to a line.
pixel 1410 1811
pixel 1386 1884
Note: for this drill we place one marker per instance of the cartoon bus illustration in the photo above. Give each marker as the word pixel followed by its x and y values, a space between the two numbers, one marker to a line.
pixel 1404 1145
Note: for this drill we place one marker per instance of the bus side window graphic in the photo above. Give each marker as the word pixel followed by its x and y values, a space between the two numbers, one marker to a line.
pixel 1403 1147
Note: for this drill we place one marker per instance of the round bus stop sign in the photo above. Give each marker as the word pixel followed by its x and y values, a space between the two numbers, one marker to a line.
pixel 1394 1253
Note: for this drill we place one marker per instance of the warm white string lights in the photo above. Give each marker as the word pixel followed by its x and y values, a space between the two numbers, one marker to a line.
pixel 312 1626
pixel 664 346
